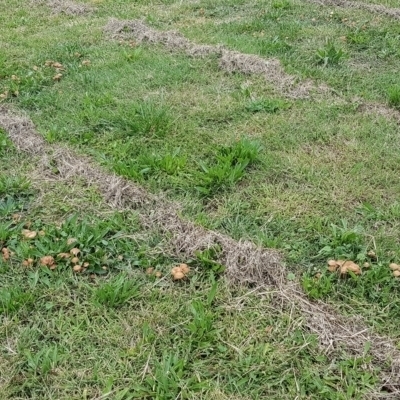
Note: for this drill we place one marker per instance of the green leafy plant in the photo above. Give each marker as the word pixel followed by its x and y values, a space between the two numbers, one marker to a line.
pixel 145 118
pixel 343 242
pixel 330 54
pixel 207 259
pixel 359 39
pixel 267 105
pixel 281 4
pixel 318 288
pixel 171 378
pixel 275 46
pixel 14 185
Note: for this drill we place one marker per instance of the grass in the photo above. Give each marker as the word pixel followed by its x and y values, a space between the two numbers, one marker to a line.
pixel 124 334
pixel 394 97
pixel 313 179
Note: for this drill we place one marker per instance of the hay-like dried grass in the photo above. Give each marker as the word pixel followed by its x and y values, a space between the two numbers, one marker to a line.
pixel 67 7
pixel 121 29
pixel 272 70
pixel 380 110
pixel 245 262
pixel 116 190
pixel 21 132
pixel 230 61
pixel 374 8
pixel 233 61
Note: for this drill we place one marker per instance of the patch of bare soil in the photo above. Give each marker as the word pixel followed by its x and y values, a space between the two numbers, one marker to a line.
pixel 245 262
pixel 374 8
pixel 230 61
pixel 67 7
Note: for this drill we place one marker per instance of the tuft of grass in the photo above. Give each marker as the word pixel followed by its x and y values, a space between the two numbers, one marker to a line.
pixel 267 105
pixel 14 186
pixel 229 167
pixel 394 97
pixel 330 54
pixel 116 292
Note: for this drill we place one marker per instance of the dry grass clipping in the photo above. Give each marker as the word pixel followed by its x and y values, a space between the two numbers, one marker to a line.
pixel 233 61
pixel 245 262
pixel 380 110
pixel 273 72
pixel 230 61
pixel 374 8
pixel 173 40
pixel 117 191
pixel 67 7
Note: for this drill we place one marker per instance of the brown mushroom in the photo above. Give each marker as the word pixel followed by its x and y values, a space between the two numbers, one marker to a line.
pixel 394 267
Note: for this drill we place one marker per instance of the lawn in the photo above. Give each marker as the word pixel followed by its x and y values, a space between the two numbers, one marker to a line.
pixel 251 140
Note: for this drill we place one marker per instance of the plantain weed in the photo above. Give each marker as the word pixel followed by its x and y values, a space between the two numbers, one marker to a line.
pixel 330 54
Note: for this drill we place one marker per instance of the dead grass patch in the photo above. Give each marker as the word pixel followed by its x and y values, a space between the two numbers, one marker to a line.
pixel 67 7
pixel 374 8
pixel 230 61
pixel 69 166
pixel 120 29
pixel 245 262
pixel 233 61
pixel 380 109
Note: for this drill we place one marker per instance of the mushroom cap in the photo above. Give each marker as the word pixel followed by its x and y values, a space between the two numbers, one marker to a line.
pixel 77 268
pixel 149 271
pixel 371 254
pixel 396 273
pixel 332 263
pixel 75 251
pixel 184 268
pixel 175 270
pixel 64 255
pixel 29 234
pixel 47 260
pixel 179 275
pixel 350 266
pixel 394 267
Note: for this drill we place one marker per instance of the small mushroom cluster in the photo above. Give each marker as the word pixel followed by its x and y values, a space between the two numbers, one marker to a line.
pixel 180 272
pixel 58 68
pixel 45 261
pixel 152 272
pixel 28 234
pixel 73 255
pixel 344 266
pixel 396 269
pixel 6 253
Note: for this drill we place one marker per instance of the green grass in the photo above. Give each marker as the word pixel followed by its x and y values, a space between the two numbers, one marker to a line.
pixel 124 334
pixel 394 97
pixel 313 179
